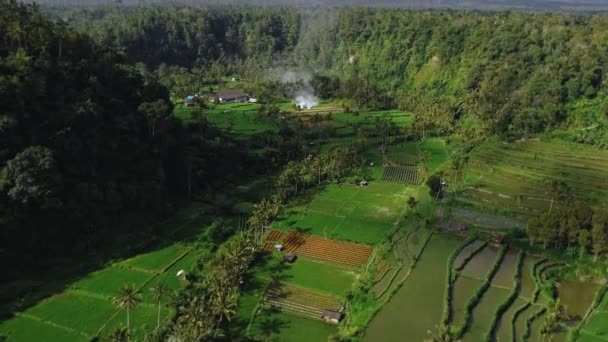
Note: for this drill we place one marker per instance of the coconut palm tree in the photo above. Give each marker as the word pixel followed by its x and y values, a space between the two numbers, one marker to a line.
pixel 119 335
pixel 158 292
pixel 128 298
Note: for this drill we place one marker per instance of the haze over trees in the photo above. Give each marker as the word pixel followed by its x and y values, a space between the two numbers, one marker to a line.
pixel 463 73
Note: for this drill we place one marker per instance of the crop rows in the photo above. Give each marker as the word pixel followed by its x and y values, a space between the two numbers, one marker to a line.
pixel 299 301
pixel 349 254
pixel 400 174
pixel 293 241
pixel 275 235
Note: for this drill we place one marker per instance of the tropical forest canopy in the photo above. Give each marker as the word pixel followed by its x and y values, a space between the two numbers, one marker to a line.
pixel 470 73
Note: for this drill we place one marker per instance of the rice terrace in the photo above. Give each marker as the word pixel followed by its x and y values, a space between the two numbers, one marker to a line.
pixel 303 173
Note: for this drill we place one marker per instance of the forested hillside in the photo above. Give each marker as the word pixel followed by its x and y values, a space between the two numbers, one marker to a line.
pixel 465 72
pixel 85 139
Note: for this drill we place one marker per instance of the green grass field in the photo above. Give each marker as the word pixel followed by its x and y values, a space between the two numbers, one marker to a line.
pixel 320 276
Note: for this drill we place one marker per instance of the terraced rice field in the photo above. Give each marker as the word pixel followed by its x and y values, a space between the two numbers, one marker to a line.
pixel 483 314
pixel 505 328
pixel 299 301
pixel 577 297
pixel 467 253
pixel 464 288
pixel 86 309
pixel 517 175
pixel 344 253
pixel 481 263
pixel 401 174
pixel 527 277
pixel 416 307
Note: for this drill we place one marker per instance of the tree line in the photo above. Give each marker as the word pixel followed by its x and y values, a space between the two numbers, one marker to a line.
pixel 571 225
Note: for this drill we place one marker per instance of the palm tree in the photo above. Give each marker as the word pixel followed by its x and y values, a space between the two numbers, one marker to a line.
pixel 128 298
pixel 119 335
pixel 158 292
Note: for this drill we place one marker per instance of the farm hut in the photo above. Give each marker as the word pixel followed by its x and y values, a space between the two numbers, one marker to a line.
pixel 453 227
pixel 278 247
pixel 253 100
pixel 332 316
pixel 182 275
pixel 290 258
pixel 231 96
pixel 363 183
pixel 382 148
pixel 190 100
pixel 498 239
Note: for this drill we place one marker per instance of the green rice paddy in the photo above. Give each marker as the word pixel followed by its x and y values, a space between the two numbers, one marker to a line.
pixel 416 308
pixel 86 309
pixel 276 326
pixel 331 279
pixel 516 177
pixel 349 212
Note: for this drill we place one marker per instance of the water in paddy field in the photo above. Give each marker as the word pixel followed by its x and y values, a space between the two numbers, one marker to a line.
pixel 417 306
pixel 576 296
pixel 506 271
pixel 466 252
pixel 481 263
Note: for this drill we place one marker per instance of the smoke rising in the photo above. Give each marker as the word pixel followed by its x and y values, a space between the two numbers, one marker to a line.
pixel 304 96
pixel 306 99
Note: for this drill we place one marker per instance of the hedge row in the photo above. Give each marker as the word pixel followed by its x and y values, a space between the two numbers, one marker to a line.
pixel 471 256
pixel 529 321
pixel 536 279
pixel 509 301
pixel 450 278
pixel 476 297
pixel 548 291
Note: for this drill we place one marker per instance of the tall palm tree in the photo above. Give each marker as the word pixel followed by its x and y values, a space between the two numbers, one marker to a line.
pixel 128 298
pixel 119 335
pixel 158 292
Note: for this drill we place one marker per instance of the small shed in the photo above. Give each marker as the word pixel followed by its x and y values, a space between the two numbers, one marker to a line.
pixel 290 258
pixel 190 100
pixel 278 247
pixel 498 239
pixel 182 275
pixel 363 183
pixel 231 96
pixel 382 148
pixel 332 316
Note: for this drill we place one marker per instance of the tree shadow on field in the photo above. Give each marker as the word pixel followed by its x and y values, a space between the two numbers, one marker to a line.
pixel 270 326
